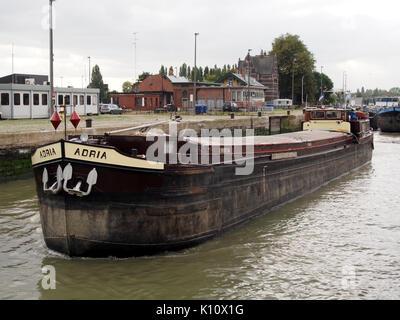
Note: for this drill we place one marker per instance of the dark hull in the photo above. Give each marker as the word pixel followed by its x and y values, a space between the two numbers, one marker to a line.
pixel 139 212
pixel 373 119
pixel 389 121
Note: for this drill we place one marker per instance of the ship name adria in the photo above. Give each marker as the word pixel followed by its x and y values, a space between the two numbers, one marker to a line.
pixel 49 152
pixel 90 154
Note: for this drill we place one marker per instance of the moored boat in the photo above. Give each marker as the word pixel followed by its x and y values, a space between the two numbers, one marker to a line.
pixel 389 119
pixel 106 196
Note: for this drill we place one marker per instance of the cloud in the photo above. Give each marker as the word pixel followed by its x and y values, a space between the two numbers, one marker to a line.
pixel 356 35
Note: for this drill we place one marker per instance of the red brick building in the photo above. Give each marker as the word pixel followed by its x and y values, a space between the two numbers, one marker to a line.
pixel 152 93
pixel 156 91
pixel 264 69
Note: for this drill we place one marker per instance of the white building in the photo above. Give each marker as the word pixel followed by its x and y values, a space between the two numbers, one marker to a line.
pixel 29 101
pixel 282 103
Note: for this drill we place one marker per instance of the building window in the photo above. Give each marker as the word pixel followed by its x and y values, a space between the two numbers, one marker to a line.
pixel 239 96
pixel 26 99
pixel 89 100
pixel 184 94
pixel 60 99
pixel 17 99
pixel 67 100
pixel 36 99
pixel 75 99
pixel 5 99
pixel 94 101
pixel 82 100
pixel 44 99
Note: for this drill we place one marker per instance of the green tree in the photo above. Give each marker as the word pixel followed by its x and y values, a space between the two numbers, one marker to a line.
pixel 206 71
pixel 183 70
pixel 293 58
pixel 395 91
pixel 143 76
pixel 327 86
pixel 97 82
pixel 127 87
pixel 162 71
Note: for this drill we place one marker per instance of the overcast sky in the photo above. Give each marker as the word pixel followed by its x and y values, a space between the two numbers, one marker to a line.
pixel 360 38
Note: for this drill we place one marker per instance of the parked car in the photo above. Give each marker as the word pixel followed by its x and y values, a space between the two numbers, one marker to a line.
pixel 230 107
pixel 169 108
pixel 111 109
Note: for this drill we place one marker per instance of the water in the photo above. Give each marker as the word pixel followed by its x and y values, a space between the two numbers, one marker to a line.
pixel 340 242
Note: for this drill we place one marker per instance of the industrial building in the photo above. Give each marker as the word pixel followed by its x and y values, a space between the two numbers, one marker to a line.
pixel 24 96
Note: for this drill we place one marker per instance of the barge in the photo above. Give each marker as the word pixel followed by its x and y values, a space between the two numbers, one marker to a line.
pixel 104 196
pixel 389 119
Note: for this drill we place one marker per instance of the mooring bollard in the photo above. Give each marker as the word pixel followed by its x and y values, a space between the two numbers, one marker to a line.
pixel 232 115
pixel 88 123
pixel 259 114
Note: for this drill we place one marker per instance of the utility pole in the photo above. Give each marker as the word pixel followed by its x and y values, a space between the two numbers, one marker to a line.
pixel 12 62
pixel 134 60
pixel 294 61
pixel 90 80
pixel 321 85
pixel 52 95
pixel 195 70
pixel 344 88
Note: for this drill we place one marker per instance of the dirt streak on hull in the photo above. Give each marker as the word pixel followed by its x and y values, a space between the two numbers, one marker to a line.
pixel 135 212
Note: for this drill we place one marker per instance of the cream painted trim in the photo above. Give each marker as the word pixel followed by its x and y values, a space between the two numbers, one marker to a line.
pixel 338 125
pixel 107 156
pixel 283 155
pixel 47 153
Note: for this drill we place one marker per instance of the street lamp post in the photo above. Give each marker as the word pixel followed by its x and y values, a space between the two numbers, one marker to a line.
pixel 52 97
pixel 195 70
pixel 321 85
pixel 90 80
pixel 302 90
pixel 294 61
pixel 134 59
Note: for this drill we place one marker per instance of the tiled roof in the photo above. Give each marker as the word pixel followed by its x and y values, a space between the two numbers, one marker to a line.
pixel 253 81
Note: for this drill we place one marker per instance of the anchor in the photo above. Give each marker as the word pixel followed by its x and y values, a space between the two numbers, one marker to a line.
pixel 91 181
pixel 56 187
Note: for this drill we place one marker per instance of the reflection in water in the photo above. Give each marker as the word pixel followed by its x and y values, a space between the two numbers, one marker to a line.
pixel 339 242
